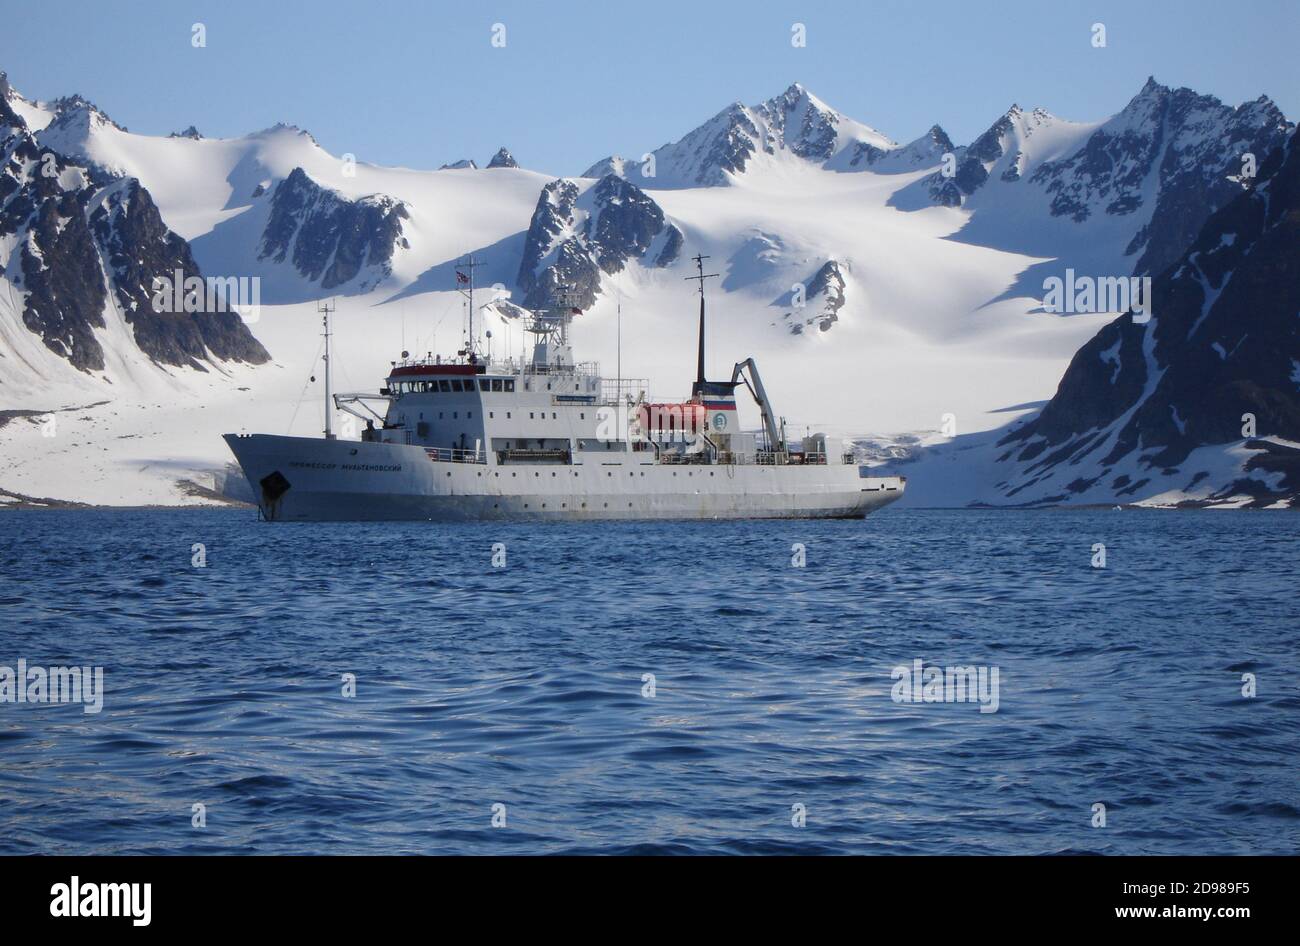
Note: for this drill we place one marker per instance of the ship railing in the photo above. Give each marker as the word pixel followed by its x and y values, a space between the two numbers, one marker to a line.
pixel 676 457
pixel 586 369
pixel 455 455
pixel 615 391
pixel 526 455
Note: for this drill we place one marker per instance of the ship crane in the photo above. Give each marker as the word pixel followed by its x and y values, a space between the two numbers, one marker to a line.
pixel 776 442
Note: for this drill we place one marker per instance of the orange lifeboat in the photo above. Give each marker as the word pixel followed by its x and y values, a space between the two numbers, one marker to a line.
pixel 685 417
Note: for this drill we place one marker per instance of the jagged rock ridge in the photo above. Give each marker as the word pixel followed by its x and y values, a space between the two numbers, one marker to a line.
pixel 503 159
pixel 1141 399
pixel 329 238
pixel 822 299
pixel 576 235
pixel 77 235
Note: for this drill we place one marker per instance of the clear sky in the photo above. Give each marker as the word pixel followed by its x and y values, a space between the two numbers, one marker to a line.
pixel 418 84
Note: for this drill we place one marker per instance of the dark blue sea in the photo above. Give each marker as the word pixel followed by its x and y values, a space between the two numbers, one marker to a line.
pixel 524 686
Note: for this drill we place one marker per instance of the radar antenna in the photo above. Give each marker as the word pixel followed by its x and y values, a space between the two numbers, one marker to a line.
pixel 327 309
pixel 701 276
pixel 465 285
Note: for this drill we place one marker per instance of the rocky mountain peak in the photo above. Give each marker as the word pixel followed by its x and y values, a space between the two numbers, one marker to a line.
pixel 503 159
pixel 85 240
pixel 576 235
pixel 75 111
pixel 330 238
pixel 1162 399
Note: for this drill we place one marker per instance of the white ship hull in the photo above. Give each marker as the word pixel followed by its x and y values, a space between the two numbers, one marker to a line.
pixel 352 480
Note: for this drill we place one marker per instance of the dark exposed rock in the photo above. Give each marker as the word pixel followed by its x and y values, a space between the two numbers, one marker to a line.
pixel 78 230
pixel 191 133
pixel 1170 153
pixel 503 159
pixel 71 104
pixel 328 237
pixel 573 237
pixel 1221 343
pixel 1191 143
pixel 823 299
pixel 138 247
pixel 64 279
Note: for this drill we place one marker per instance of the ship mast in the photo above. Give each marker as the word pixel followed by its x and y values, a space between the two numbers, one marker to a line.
pixel 465 277
pixel 326 309
pixel 699 368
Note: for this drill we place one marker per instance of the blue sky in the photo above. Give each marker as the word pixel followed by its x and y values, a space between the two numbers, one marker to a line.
pixel 419 83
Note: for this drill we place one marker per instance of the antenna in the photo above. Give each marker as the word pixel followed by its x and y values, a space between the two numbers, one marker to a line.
pixel 699 368
pixel 466 279
pixel 327 309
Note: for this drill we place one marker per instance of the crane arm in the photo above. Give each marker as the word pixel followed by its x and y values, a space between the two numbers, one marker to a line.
pixel 760 396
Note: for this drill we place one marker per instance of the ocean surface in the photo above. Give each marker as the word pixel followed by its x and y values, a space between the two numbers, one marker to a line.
pixel 519 693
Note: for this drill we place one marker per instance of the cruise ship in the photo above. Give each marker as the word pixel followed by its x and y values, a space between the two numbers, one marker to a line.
pixel 548 438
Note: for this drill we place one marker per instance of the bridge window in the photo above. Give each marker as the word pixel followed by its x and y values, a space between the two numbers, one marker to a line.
pixel 444 385
pixel 496 384
pixel 510 385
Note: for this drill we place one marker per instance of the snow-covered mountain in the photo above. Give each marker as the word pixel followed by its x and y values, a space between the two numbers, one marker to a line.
pixel 583 229
pixel 1138 186
pixel 1202 397
pixel 795 124
pixel 80 249
pixel 879 294
pixel 330 239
